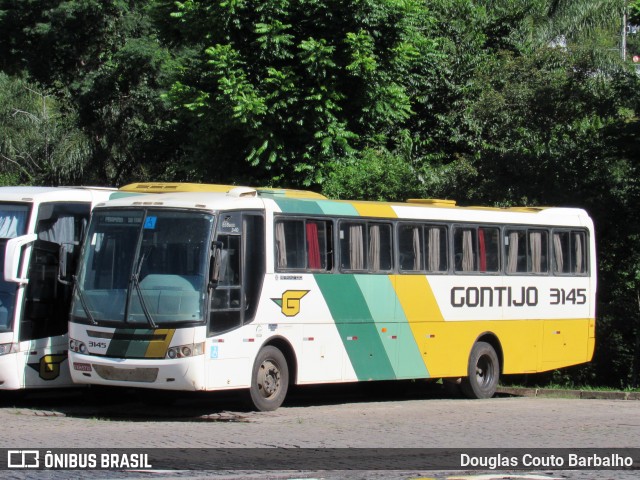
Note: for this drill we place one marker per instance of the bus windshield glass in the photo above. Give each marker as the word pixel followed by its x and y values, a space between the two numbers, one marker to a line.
pixel 144 268
pixel 13 219
pixel 7 295
pixel 13 223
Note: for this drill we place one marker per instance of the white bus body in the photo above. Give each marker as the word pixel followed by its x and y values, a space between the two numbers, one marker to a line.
pixel 40 233
pixel 257 289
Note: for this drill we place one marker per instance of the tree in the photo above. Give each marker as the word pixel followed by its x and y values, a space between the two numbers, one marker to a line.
pixel 284 89
pixel 40 142
pixel 105 63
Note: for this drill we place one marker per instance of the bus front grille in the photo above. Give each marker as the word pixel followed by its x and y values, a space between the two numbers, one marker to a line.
pixel 146 375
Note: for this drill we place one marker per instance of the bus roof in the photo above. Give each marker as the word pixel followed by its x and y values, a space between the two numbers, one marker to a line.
pixel 29 194
pixel 169 187
pixel 231 198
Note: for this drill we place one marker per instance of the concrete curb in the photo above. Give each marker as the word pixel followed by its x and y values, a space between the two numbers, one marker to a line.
pixel 557 393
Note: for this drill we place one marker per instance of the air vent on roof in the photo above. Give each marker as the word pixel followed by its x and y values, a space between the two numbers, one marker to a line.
pixel 242 192
pixel 436 202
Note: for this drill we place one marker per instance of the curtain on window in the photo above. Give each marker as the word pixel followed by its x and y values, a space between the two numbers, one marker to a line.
pixel 578 252
pixel 281 246
pixel 434 249
pixel 557 250
pixel 512 259
pixel 467 251
pixel 374 247
pixel 482 250
pixel 313 246
pixel 417 250
pixel 535 243
pixel 356 247
pixel 60 231
pixel 12 223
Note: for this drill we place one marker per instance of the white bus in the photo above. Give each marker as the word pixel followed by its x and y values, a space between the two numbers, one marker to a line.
pixel 40 232
pixel 258 289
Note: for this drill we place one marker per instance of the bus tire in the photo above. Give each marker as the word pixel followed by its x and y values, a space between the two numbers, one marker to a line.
pixel 483 372
pixel 269 379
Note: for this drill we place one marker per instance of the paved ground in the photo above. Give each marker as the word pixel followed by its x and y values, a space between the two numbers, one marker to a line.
pixel 379 416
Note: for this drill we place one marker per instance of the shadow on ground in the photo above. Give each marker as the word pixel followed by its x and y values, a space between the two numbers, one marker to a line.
pixel 232 406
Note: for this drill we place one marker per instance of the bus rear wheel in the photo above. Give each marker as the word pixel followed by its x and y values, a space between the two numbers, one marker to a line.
pixel 270 379
pixel 483 372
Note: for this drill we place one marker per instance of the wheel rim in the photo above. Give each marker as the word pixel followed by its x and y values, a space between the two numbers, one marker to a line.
pixel 268 379
pixel 484 371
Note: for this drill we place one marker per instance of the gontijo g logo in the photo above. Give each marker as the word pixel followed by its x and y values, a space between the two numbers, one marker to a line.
pixel 290 302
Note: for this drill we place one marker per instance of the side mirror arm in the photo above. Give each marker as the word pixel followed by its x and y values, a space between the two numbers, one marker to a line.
pixel 13 255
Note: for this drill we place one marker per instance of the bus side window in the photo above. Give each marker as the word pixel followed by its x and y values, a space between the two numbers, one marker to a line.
pixel 435 238
pixel 242 266
pixel 489 249
pixel 302 244
pixel 254 263
pixel 464 249
pixel 538 254
pixel 352 244
pixel 380 247
pixel 569 252
pixel 410 246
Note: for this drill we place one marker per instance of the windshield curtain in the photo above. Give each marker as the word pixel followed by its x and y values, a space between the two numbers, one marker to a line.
pixel 144 267
pixel 13 219
pixel 7 295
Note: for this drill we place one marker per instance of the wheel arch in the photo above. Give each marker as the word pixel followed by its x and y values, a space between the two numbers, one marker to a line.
pixel 493 340
pixel 289 353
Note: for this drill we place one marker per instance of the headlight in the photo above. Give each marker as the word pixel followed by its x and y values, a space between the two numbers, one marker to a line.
pixel 184 351
pixel 77 346
pixel 7 348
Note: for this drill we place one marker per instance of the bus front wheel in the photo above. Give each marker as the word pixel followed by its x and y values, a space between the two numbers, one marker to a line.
pixel 483 372
pixel 270 379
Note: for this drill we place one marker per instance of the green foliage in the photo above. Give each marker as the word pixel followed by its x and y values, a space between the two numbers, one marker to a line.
pixel 288 88
pixel 40 143
pixel 360 176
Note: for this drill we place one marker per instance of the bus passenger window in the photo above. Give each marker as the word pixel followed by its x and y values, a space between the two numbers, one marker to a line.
pixel 290 247
pixel 436 248
pixel 464 241
pixel 380 247
pixel 352 256
pixel 410 245
pixel 579 265
pixel 515 242
pixel 489 249
pixel 569 254
pixel 303 245
pixel 538 255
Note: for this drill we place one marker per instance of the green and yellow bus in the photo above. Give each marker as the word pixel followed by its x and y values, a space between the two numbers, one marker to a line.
pixel 222 287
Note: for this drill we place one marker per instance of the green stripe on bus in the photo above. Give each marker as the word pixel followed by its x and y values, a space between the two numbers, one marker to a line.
pixel 138 348
pixel 118 347
pixel 288 205
pixel 355 324
pixel 126 347
pixel 392 326
pixel 337 208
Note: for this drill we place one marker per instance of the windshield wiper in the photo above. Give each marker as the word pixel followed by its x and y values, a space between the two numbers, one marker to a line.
pixel 136 283
pixel 83 301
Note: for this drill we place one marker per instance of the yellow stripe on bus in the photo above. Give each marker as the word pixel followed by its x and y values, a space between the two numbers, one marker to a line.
pixel 158 348
pixel 373 209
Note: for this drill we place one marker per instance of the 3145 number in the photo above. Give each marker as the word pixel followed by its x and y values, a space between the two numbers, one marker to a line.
pixel 574 296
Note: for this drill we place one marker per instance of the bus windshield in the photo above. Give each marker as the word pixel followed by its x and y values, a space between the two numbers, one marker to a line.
pixel 7 295
pixel 13 219
pixel 144 268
